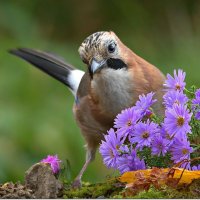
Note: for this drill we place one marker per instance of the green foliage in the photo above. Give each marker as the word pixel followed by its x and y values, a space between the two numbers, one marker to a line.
pixel 154 161
pixel 65 174
pixel 156 119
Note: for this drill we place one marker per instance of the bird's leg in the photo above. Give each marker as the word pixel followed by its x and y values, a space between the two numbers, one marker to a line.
pixel 89 157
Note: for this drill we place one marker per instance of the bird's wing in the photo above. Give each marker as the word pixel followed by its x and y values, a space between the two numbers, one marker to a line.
pixel 52 65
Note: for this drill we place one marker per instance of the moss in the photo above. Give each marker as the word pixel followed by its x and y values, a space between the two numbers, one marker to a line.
pixel 100 190
pixel 192 191
pixel 113 189
pixel 152 193
pixel 182 192
pixel 195 188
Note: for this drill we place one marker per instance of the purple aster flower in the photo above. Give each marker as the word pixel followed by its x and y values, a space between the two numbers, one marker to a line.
pixel 144 103
pixel 54 163
pixel 130 162
pixel 196 104
pixel 197 115
pixel 124 149
pixel 180 150
pixel 166 135
pixel 159 145
pixel 177 120
pixel 195 168
pixel 125 121
pixel 143 133
pixel 176 82
pixel 197 97
pixel 174 97
pixel 109 149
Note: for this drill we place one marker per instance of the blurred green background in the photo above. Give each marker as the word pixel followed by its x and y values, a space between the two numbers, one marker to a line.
pixel 36 111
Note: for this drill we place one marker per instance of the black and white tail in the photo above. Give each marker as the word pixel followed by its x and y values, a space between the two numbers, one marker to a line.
pixel 52 65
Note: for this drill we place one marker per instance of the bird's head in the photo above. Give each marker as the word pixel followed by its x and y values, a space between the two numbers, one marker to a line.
pixel 102 50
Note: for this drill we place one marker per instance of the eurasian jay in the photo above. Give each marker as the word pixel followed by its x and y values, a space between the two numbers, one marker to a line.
pixel 114 79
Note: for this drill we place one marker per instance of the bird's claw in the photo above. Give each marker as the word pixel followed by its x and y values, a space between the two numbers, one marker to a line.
pixel 76 184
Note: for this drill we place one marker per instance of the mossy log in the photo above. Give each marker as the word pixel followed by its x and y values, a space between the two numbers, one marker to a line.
pixel 114 189
pixel 40 182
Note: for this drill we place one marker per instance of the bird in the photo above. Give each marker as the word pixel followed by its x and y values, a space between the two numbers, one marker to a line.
pixel 113 80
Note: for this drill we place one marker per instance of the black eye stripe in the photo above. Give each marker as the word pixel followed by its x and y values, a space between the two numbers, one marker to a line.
pixel 116 63
pixel 113 63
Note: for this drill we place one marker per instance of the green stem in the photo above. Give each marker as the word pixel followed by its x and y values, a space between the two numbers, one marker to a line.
pixel 188 91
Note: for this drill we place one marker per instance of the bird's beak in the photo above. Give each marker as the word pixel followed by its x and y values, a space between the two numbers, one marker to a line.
pixel 95 65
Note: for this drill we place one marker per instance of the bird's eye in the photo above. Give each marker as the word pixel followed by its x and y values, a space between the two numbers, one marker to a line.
pixel 111 47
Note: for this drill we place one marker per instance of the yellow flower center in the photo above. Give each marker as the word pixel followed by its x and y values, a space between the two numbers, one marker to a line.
pixel 180 121
pixel 145 135
pixel 184 151
pixel 129 123
pixel 178 87
pixel 177 102
pixel 168 136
